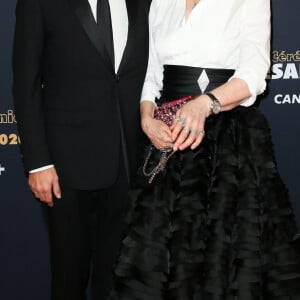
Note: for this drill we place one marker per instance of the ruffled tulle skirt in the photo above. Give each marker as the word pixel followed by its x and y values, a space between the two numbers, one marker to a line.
pixel 216 224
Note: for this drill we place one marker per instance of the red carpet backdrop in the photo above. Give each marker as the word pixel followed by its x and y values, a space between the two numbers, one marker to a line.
pixel 24 256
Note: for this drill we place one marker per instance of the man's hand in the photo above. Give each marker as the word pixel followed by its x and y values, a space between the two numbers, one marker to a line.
pixel 43 184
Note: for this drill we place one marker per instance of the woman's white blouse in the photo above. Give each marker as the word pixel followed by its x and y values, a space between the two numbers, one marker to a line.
pixel 229 34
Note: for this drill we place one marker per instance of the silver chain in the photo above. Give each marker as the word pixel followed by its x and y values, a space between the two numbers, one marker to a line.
pixel 165 155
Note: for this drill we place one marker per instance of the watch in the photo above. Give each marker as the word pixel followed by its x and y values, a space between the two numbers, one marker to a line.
pixel 215 106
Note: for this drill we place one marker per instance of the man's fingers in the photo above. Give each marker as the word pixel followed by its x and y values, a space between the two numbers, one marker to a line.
pixel 56 189
pixel 36 195
pixel 43 183
pixel 44 193
pixel 48 198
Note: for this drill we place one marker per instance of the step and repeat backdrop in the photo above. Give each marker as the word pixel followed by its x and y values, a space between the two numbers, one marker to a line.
pixel 24 256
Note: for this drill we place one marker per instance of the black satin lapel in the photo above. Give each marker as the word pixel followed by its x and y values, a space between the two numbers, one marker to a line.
pixel 132 17
pixel 84 13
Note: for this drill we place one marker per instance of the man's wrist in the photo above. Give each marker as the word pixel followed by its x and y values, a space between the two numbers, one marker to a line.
pixel 41 169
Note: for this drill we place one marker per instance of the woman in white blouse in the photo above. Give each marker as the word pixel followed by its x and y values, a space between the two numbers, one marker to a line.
pixel 210 216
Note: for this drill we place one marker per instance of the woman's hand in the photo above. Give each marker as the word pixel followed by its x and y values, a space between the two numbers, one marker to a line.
pixel 158 132
pixel 188 127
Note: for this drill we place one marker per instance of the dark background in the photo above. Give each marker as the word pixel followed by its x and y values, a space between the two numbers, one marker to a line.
pixel 24 256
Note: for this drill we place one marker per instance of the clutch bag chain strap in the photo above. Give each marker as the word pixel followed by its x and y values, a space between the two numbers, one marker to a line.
pixel 165 155
pixel 166 113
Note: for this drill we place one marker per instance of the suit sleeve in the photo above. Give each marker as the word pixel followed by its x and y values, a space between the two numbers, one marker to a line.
pixel 27 83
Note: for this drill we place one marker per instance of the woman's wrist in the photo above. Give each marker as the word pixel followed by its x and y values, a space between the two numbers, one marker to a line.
pixel 145 121
pixel 205 104
pixel 215 104
pixel 147 109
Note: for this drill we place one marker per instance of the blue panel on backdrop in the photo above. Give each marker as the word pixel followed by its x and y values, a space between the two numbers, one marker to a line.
pixel 282 105
pixel 24 255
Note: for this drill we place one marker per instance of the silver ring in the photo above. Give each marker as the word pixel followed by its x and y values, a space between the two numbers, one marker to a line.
pixel 176 118
pixel 196 132
pixel 186 130
pixel 182 121
pixel 202 132
pixel 199 132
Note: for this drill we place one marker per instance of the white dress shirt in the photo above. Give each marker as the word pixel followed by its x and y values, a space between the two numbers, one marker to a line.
pixel 231 34
pixel 119 20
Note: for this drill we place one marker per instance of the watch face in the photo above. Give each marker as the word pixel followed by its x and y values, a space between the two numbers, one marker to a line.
pixel 216 107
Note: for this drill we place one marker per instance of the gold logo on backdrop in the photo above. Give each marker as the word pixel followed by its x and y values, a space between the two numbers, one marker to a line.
pixel 283 56
pixel 8 117
pixel 8 138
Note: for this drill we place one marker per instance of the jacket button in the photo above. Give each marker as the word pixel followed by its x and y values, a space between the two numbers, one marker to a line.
pixel 117 78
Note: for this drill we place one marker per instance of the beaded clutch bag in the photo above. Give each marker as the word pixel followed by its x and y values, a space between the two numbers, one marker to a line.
pixel 166 113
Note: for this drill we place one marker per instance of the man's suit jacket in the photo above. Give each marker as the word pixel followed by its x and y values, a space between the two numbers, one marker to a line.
pixel 72 109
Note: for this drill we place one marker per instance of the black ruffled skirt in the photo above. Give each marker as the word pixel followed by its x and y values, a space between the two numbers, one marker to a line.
pixel 216 224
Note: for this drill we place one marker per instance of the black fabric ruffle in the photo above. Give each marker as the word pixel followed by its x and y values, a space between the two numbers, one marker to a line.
pixel 215 225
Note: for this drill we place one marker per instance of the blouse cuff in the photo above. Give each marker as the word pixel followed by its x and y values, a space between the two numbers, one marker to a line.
pixel 148 96
pixel 255 87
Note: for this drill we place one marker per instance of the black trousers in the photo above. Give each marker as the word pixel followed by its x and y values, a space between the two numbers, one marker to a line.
pixel 85 229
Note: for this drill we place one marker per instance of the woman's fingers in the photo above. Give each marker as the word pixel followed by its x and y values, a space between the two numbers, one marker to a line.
pixel 162 141
pixel 182 137
pixel 185 136
pixel 189 140
pixel 177 126
pixel 199 138
pixel 165 132
pixel 159 134
pixel 187 128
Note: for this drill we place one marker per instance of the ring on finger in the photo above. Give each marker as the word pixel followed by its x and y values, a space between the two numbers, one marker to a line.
pixel 199 132
pixel 182 121
pixel 186 130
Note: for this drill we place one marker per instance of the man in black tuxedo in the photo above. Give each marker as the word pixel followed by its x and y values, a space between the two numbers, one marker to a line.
pixel 79 67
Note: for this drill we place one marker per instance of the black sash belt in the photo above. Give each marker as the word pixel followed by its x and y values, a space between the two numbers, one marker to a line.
pixel 181 81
